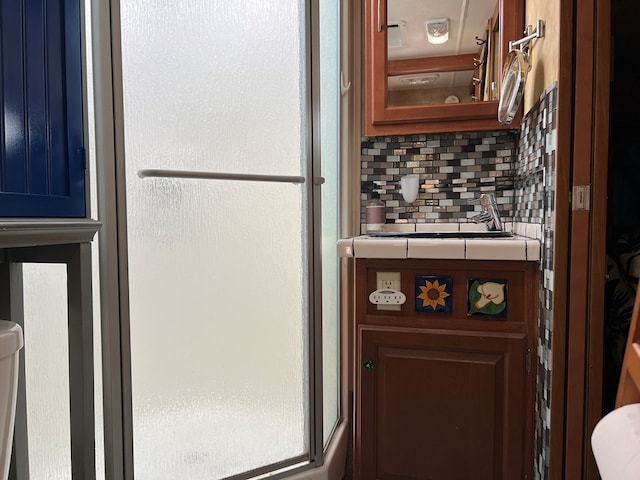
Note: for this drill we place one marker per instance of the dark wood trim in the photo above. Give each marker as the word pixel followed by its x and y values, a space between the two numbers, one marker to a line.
pixel 443 112
pixel 561 241
pixel 576 389
pixel 449 63
pixel 441 126
pixel 576 346
pixel 597 263
pixel 587 75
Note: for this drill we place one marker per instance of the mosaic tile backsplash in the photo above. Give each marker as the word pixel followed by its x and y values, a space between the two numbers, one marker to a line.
pixel 518 167
pixel 534 200
pixel 453 169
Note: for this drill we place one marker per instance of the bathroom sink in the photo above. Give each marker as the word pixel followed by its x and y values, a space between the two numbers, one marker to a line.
pixel 440 234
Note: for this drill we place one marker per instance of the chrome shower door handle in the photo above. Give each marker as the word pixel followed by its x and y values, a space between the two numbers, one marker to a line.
pixel 247 177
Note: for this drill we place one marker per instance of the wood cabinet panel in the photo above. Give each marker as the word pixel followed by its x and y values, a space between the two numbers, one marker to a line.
pixel 445 395
pixel 521 278
pixel 441 405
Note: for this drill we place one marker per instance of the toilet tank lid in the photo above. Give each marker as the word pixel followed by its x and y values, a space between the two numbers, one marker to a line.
pixel 10 338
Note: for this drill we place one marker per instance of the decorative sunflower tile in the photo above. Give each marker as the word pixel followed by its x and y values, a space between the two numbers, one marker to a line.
pixel 433 294
pixel 487 297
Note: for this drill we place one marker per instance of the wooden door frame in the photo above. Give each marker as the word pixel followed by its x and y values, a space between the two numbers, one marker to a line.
pixel 598 250
pixel 580 235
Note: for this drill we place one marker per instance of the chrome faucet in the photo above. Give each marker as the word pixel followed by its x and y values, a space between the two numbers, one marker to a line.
pixel 489 215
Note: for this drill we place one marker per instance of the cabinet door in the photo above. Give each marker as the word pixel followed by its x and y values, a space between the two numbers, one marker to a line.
pixel 381 117
pixel 42 164
pixel 441 405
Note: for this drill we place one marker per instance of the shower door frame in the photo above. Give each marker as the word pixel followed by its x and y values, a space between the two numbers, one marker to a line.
pixel 117 381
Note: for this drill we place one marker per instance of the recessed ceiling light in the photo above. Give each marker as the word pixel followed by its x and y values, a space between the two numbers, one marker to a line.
pixel 419 79
pixel 437 30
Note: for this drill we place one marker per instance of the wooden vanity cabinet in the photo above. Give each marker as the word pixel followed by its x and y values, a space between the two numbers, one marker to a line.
pixel 445 395
pixel 381 118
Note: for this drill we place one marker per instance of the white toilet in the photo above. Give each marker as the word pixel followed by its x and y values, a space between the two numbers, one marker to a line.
pixel 10 344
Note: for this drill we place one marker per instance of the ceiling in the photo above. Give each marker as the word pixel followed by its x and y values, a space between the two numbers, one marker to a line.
pixel 467 19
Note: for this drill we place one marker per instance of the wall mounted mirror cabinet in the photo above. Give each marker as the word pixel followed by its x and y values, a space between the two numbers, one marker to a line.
pixel 436 65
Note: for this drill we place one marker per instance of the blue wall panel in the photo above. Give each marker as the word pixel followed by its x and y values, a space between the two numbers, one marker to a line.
pixel 36 100
pixel 42 166
pixel 14 157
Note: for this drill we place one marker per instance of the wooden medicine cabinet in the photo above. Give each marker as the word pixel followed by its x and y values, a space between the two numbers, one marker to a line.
pixel 415 86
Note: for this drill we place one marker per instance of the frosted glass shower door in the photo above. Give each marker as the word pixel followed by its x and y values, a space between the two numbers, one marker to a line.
pixel 218 269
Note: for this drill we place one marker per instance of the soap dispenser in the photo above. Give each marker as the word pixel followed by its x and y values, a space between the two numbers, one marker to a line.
pixel 376 214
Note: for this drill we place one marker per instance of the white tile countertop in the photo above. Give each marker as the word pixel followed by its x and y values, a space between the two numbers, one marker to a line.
pixel 517 247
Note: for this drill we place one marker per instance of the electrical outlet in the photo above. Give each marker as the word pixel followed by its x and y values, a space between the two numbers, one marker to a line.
pixel 388 280
pixel 387 297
